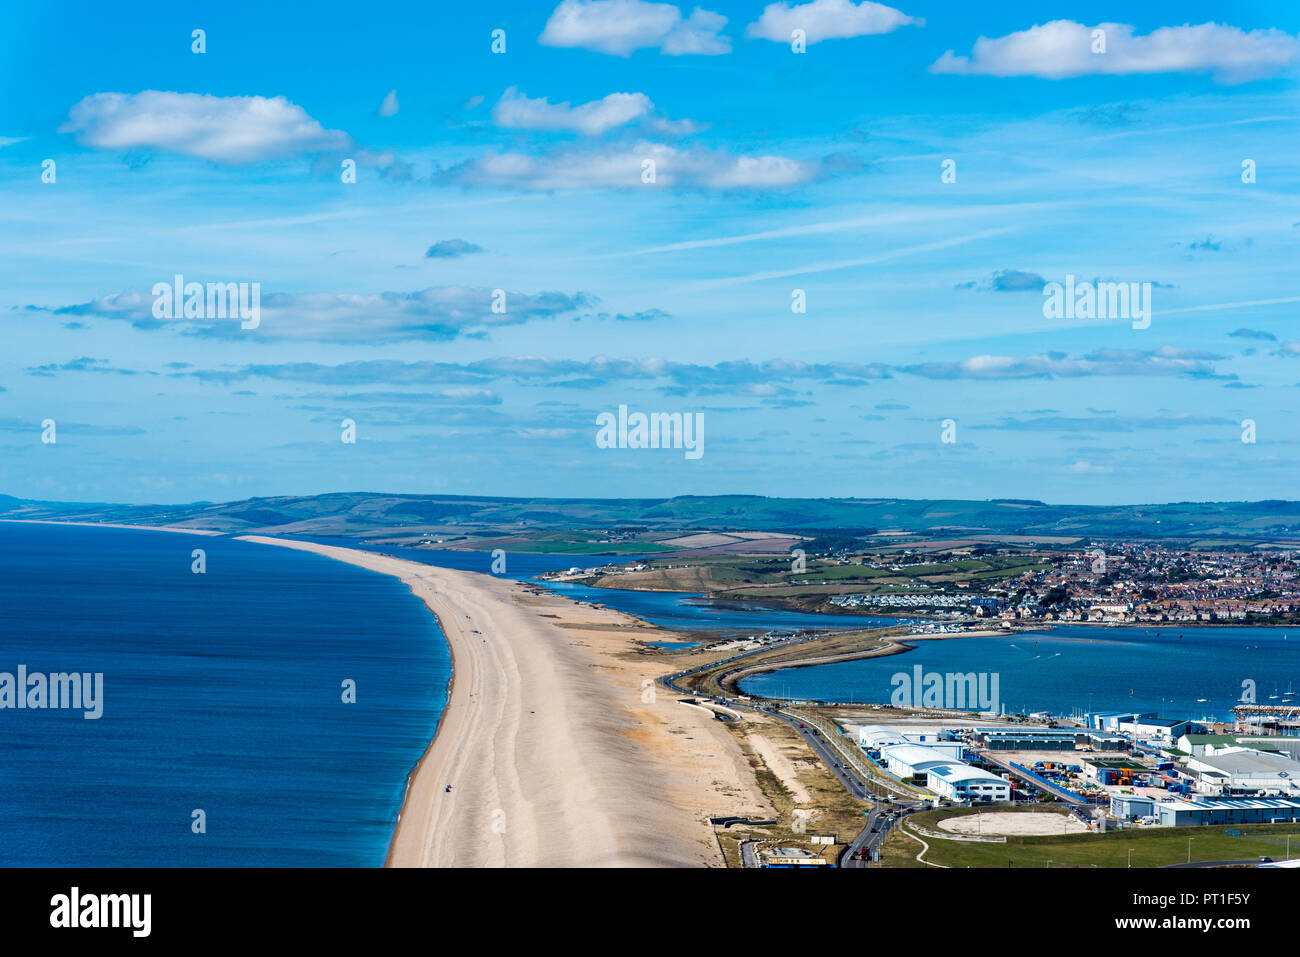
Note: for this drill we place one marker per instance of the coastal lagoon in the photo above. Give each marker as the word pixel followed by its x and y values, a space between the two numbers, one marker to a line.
pixel 690 612
pixel 676 611
pixel 1179 672
pixel 222 692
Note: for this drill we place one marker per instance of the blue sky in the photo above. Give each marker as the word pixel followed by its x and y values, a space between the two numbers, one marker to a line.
pixel 775 171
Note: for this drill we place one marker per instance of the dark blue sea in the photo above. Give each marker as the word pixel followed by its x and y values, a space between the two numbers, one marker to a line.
pixel 1081 668
pixel 222 692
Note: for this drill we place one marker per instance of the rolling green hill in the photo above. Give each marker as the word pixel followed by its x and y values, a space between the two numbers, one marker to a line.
pixel 370 514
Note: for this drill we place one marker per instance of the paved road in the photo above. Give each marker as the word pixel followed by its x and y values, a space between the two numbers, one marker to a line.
pixel 835 763
pixel 1248 862
pixel 883 815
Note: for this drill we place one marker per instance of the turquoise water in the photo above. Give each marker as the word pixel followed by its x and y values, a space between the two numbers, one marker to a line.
pixel 222 692
pixel 1080 668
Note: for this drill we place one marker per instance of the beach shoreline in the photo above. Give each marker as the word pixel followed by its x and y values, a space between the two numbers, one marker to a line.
pixel 139 528
pixel 554 744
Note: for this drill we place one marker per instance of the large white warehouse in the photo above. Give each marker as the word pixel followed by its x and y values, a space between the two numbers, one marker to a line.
pixel 875 737
pixel 909 760
pixel 961 782
pixel 1244 770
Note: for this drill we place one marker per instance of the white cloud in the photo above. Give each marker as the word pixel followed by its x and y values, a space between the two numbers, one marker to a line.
pixel 827 20
pixel 622 166
pixel 439 313
pixel 224 129
pixel 1087 468
pixel 619 27
pixel 517 111
pixel 1164 361
pixel 1063 48
pixel 390 105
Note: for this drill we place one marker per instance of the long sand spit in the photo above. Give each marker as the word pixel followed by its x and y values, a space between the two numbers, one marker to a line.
pixel 558 748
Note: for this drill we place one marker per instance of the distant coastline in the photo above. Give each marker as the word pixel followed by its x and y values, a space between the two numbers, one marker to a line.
pixel 143 528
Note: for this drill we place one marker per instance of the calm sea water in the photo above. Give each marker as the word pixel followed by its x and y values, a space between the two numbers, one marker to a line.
pixel 222 692
pixel 678 611
pixel 684 611
pixel 519 565
pixel 1080 668
pixel 1064 669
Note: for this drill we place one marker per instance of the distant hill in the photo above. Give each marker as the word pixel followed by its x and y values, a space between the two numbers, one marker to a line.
pixel 356 514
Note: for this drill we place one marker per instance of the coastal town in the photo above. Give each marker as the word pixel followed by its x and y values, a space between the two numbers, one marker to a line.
pixel 1132 583
pixel 1097 582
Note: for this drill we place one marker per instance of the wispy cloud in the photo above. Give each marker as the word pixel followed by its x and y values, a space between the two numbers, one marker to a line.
pixel 626 167
pixel 1252 334
pixel 1164 361
pixel 1008 280
pixel 438 313
pixel 1065 48
pixel 451 249
pixel 561 373
pixel 848 263
pixel 1107 423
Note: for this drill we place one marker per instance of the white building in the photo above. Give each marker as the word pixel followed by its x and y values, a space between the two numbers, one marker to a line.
pixel 909 760
pixel 961 782
pixel 875 737
pixel 949 750
pixel 924 737
pixel 1245 770
pixel 1239 811
pixel 1164 730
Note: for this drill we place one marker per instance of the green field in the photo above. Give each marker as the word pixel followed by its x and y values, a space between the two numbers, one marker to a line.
pixel 370 513
pixel 1151 847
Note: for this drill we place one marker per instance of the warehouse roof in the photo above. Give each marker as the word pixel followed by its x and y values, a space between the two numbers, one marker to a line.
pixel 1247 761
pixel 1230 804
pixel 955 772
pixel 915 755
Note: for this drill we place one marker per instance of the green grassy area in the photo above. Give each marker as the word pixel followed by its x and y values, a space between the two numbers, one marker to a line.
pixel 561 547
pixel 820 573
pixel 1150 847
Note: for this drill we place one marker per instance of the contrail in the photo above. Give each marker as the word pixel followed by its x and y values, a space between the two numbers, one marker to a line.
pixel 1232 305
pixel 845 263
